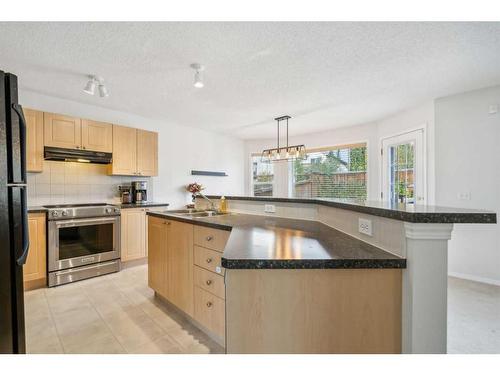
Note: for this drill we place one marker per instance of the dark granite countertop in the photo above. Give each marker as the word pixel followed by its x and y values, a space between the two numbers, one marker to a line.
pixel 36 209
pixel 138 205
pixel 396 211
pixel 265 242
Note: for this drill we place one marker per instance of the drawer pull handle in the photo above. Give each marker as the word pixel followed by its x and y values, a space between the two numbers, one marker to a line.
pixel 209 282
pixel 209 304
pixel 209 238
pixel 209 260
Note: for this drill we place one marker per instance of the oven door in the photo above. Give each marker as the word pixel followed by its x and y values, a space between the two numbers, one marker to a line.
pixel 78 242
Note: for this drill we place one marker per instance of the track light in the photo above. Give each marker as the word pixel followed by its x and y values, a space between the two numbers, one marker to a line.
pixel 91 85
pixel 103 91
pixel 198 82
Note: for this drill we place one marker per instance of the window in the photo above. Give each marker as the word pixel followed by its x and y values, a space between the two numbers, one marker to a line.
pixel 262 177
pixel 336 172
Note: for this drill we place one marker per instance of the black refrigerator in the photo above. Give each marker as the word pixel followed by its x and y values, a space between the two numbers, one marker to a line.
pixel 14 241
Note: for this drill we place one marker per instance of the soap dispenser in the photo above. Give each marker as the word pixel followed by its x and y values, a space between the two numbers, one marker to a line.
pixel 223 204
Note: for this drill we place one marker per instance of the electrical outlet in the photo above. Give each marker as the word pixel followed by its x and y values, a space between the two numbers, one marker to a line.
pixel 464 196
pixel 270 208
pixel 365 226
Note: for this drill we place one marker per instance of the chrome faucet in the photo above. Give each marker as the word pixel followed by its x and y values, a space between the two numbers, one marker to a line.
pixel 212 203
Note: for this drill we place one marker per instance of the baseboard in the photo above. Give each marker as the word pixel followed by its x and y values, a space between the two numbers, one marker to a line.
pixel 478 279
pixel 35 284
pixel 135 262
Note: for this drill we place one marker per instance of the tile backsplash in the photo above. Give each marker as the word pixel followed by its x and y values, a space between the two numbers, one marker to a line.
pixel 65 182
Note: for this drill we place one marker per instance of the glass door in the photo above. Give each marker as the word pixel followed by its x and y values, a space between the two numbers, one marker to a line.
pixel 403 177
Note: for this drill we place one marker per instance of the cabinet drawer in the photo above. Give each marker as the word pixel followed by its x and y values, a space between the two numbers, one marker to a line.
pixel 208 259
pixel 210 238
pixel 209 281
pixel 209 310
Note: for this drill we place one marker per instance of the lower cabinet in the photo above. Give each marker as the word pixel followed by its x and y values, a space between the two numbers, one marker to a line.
pixel 189 276
pixel 35 268
pixel 134 229
pixel 170 261
pixel 209 310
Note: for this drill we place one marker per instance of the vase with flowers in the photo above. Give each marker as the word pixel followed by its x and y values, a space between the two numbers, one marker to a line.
pixel 194 189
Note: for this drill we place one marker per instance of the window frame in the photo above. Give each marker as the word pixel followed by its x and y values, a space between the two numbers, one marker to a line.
pixel 289 173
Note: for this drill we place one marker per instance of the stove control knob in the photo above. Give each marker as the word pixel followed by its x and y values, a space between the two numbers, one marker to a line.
pixel 55 214
pixel 108 210
pixel 117 210
pixel 64 213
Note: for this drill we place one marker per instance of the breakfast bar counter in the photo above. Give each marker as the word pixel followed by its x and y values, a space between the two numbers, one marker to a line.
pixel 302 276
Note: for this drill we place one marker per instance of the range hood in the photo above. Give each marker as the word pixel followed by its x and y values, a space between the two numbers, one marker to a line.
pixel 80 156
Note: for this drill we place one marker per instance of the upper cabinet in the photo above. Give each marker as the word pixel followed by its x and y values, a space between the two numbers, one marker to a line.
pixel 135 152
pixel 62 131
pixel 124 151
pixel 97 136
pixel 70 132
pixel 34 140
pixel 147 153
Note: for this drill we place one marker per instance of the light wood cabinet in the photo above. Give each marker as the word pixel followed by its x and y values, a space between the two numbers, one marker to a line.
pixel 208 259
pixel 211 238
pixel 135 152
pixel 209 281
pixel 34 140
pixel 124 151
pixel 133 234
pixel 97 136
pixel 147 153
pixel 35 268
pixel 157 255
pixel 209 311
pixel 62 131
pixel 189 276
pixel 170 261
pixel 180 265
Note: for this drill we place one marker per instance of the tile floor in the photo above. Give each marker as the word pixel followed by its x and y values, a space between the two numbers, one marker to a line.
pixel 116 313
pixel 473 317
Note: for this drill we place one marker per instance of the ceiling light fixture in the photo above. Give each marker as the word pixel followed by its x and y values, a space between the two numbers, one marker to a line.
pixel 198 82
pixel 91 85
pixel 103 91
pixel 284 153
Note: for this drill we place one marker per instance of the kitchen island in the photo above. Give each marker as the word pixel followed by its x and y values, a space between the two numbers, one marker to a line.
pixel 292 286
pixel 318 285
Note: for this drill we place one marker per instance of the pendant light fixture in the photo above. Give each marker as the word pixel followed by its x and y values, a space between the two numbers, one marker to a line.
pixel 286 152
pixel 198 82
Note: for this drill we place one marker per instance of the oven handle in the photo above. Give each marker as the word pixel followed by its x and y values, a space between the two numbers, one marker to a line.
pixel 78 222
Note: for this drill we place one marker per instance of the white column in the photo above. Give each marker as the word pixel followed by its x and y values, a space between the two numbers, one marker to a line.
pixel 425 284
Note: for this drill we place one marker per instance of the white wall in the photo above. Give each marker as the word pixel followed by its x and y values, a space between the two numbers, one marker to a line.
pixel 180 149
pixel 467 161
pixel 372 133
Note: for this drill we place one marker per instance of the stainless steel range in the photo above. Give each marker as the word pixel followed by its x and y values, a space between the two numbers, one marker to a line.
pixel 83 241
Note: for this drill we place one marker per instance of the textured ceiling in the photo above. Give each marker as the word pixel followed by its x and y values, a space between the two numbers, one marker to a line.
pixel 325 75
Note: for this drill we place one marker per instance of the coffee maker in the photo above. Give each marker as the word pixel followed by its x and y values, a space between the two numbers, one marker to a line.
pixel 139 191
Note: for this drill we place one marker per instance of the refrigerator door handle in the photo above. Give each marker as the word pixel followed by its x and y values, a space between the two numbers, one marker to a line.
pixel 22 135
pixel 25 230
